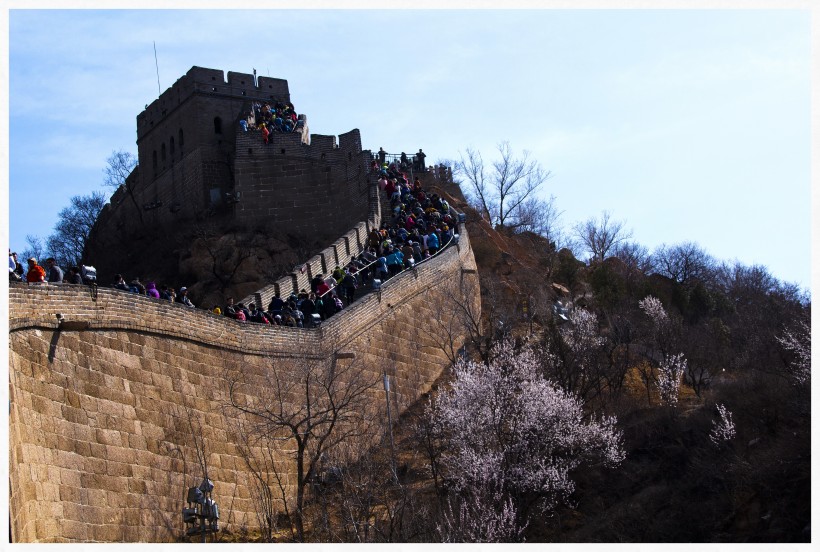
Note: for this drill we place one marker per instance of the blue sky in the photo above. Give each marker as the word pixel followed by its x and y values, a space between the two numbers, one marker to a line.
pixel 690 125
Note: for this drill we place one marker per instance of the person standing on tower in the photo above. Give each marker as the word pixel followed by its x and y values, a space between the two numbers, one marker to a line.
pixel 420 160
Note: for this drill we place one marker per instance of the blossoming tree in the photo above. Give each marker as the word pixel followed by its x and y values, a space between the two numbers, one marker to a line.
pixel 513 439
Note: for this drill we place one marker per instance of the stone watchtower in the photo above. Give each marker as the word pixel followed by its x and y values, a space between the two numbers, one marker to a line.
pixel 196 164
pixel 186 138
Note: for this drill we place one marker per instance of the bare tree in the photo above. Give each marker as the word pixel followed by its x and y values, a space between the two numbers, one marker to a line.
pixel 462 315
pixel 67 241
pixel 429 435
pixel 707 347
pixel 619 351
pixel 540 216
pixel 601 236
pixel 34 248
pixel 74 224
pixel 501 193
pixel 258 452
pixel 635 256
pixel 367 500
pixel 458 317
pixel 685 262
pixel 759 307
pixel 311 406
pixel 120 170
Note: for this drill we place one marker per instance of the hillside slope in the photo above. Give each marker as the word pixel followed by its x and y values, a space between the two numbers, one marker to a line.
pixel 675 485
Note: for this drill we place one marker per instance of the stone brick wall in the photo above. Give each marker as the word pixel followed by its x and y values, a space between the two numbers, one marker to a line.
pixel 338 253
pixel 185 156
pixel 303 189
pixel 99 435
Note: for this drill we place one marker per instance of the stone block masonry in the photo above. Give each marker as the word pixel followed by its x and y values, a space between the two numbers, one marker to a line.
pixel 194 160
pixel 102 397
pixel 304 190
pixel 101 447
pixel 339 253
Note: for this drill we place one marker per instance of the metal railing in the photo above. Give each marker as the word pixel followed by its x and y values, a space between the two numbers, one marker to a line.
pixel 413 163
pixel 452 240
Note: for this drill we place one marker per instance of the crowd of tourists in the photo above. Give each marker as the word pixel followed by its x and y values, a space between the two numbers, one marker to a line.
pixel 302 310
pixel 267 118
pixel 416 226
pixel 150 289
pixel 415 164
pixel 51 273
pixel 419 225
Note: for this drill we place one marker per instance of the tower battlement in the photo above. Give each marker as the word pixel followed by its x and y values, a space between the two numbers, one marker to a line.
pixel 195 163
pixel 210 83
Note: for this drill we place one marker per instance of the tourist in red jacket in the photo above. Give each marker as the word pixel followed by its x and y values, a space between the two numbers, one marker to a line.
pixel 36 273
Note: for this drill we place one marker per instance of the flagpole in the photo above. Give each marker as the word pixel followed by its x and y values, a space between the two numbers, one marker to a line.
pixel 159 90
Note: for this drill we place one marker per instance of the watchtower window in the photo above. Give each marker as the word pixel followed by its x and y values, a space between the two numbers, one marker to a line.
pixel 217 125
pixel 171 146
pixel 181 141
pixel 162 149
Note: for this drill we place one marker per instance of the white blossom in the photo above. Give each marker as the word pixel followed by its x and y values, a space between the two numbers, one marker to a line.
pixel 653 307
pixel 512 429
pixel 723 430
pixel 480 516
pixel 798 341
pixel 670 374
pixel 581 334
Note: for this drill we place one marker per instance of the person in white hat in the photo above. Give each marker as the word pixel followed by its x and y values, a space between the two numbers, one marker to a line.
pixel 183 297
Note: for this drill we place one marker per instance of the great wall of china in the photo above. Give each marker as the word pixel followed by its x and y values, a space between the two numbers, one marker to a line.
pixel 104 384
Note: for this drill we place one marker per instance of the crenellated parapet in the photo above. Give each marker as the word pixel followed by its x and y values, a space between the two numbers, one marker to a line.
pixel 210 83
pixel 324 148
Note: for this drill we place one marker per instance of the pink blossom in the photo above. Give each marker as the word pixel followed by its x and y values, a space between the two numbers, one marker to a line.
pixel 509 428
